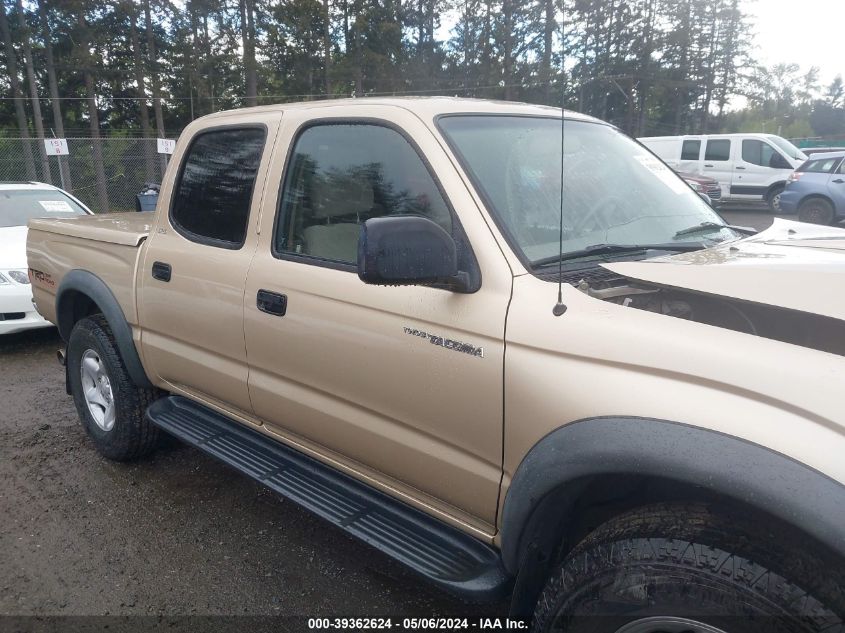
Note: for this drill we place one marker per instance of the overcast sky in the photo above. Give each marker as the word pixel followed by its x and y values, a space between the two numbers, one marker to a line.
pixel 806 32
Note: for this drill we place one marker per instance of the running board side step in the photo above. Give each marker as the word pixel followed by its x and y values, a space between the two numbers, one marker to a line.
pixel 450 559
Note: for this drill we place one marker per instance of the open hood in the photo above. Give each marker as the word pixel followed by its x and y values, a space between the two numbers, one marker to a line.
pixel 790 265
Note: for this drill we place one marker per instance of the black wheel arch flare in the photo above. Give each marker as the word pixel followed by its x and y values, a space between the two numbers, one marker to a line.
pixel 621 448
pixel 82 282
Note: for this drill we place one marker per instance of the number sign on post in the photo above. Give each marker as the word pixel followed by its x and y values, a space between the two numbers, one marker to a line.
pixel 166 145
pixel 56 147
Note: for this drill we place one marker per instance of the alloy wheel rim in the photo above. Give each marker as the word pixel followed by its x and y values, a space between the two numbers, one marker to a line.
pixel 816 215
pixel 667 624
pixel 97 390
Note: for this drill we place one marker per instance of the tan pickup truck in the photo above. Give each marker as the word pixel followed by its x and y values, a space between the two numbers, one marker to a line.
pixel 613 408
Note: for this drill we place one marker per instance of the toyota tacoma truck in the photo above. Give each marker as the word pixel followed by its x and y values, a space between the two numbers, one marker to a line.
pixel 501 343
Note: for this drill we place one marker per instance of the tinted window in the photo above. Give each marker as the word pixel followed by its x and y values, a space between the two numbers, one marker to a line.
pixel 842 167
pixel 19 206
pixel 211 203
pixel 718 150
pixel 758 153
pixel 819 166
pixel 691 150
pixel 341 175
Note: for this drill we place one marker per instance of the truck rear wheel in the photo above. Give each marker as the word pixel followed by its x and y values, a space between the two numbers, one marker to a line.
pixel 683 569
pixel 110 406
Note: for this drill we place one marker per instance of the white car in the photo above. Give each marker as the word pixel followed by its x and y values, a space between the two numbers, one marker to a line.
pixel 19 203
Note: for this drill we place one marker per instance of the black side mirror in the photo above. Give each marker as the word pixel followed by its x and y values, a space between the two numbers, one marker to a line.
pixel 408 251
pixel 777 161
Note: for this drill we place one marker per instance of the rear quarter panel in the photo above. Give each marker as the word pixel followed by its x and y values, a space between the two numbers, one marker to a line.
pixel 52 255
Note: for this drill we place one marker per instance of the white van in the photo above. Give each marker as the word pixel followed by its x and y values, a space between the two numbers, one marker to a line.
pixel 747 166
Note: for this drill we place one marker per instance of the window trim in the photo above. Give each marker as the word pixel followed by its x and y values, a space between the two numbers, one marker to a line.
pixel 196 237
pixel 303 258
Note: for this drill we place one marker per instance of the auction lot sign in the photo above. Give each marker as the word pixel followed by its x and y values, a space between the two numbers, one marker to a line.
pixel 56 147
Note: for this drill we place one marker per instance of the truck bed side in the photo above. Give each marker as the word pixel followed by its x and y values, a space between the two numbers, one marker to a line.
pixel 107 246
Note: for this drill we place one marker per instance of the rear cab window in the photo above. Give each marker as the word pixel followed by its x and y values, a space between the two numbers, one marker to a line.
pixel 213 193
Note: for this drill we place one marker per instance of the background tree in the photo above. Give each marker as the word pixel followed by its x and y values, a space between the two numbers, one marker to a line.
pixel 648 66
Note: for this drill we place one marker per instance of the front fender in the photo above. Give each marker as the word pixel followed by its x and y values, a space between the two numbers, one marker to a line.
pixel 629 446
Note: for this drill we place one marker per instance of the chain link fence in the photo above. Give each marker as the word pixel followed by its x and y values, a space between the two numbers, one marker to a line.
pixel 106 174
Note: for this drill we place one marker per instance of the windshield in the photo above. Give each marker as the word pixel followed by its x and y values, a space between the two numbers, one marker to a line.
pixel 615 191
pixel 788 148
pixel 19 206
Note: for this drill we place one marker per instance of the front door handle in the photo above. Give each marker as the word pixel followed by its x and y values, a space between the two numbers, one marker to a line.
pixel 839 181
pixel 272 302
pixel 161 271
pixel 708 165
pixel 740 167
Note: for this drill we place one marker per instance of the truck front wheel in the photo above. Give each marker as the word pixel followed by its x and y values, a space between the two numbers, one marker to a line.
pixel 684 569
pixel 110 406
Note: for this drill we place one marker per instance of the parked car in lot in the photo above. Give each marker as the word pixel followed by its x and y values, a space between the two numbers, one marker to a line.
pixel 707 186
pixel 749 167
pixel 19 203
pixel 609 404
pixel 812 151
pixel 816 191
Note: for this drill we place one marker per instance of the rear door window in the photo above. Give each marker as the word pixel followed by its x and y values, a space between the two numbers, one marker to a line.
pixel 819 166
pixel 691 150
pixel 215 186
pixel 718 150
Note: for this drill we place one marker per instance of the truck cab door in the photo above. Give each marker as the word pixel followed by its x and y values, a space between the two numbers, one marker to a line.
pixel 196 261
pixel 402 386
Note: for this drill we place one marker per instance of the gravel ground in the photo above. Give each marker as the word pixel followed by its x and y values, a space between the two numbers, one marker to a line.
pixel 174 535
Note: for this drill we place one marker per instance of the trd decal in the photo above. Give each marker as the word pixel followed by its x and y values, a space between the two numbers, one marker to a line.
pixel 448 343
pixel 44 279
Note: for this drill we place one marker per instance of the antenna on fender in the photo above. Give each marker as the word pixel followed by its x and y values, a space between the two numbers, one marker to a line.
pixel 560 308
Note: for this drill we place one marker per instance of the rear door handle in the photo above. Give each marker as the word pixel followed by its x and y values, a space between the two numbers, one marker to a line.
pixel 708 165
pixel 272 303
pixel 161 271
pixel 839 181
pixel 740 167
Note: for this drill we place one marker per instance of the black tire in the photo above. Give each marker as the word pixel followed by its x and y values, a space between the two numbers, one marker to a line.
pixel 722 570
pixel 130 435
pixel 773 199
pixel 816 211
